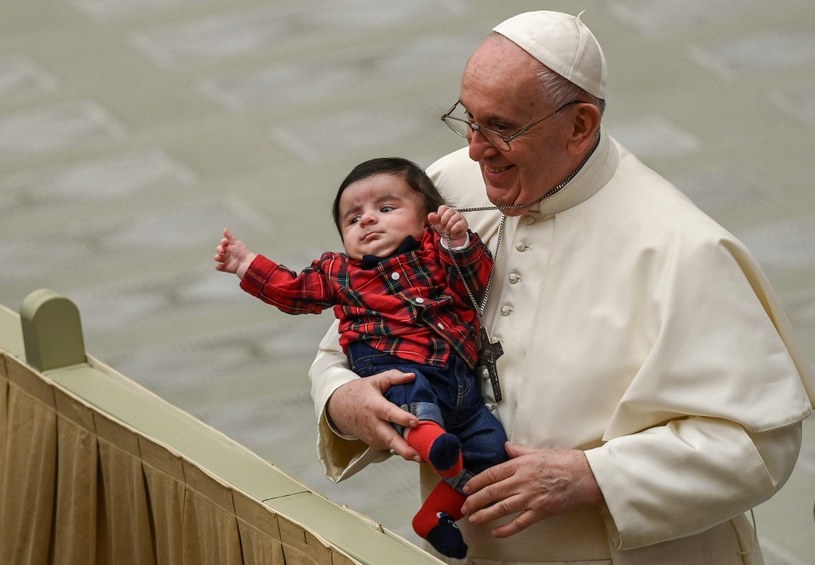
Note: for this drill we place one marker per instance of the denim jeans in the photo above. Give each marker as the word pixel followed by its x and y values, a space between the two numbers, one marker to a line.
pixel 449 396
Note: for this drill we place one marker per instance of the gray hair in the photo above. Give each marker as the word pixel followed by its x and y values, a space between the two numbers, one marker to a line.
pixel 559 91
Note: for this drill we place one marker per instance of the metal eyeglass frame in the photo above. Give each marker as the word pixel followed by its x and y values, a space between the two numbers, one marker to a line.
pixel 474 127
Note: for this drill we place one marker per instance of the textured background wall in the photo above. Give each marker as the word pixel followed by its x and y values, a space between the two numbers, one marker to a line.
pixel 131 133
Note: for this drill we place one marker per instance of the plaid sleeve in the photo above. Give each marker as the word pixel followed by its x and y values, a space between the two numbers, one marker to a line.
pixel 309 292
pixel 474 264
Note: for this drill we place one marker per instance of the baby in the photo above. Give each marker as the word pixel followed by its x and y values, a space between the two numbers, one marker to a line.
pixel 402 293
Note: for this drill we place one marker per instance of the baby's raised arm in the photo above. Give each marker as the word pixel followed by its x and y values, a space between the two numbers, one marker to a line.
pixel 232 256
pixel 450 221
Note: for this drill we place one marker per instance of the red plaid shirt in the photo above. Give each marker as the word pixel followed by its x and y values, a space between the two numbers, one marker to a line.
pixel 413 305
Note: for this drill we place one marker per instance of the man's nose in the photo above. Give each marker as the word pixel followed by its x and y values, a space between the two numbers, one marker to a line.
pixel 479 146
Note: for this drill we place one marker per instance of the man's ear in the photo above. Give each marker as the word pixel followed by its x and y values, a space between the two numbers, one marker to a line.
pixel 585 123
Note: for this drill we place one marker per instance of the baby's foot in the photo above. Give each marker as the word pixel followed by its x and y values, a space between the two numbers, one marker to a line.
pixel 446 538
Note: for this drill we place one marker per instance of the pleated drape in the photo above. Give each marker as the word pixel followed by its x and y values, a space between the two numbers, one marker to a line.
pixel 80 488
pixel 77 460
pixel 29 471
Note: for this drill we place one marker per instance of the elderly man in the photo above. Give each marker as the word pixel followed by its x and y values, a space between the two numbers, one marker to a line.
pixel 651 391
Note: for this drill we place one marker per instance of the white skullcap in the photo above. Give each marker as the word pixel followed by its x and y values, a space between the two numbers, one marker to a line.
pixel 563 43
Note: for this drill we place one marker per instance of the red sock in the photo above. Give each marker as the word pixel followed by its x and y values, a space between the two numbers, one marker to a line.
pixel 437 447
pixel 435 521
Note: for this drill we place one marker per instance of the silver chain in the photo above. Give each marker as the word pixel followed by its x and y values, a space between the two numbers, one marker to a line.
pixel 479 309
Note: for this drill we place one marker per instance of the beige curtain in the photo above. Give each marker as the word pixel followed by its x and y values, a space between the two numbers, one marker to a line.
pixel 77 456
pixel 79 488
pixel 29 469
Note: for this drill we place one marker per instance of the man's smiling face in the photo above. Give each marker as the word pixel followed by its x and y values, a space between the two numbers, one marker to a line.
pixel 502 91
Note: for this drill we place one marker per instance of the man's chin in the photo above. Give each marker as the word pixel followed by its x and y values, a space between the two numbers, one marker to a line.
pixel 500 196
pixel 505 203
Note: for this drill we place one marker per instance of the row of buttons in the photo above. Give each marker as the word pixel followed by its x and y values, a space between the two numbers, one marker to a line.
pixel 513 278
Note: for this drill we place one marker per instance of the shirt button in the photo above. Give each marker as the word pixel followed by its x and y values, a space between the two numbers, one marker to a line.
pixel 395 276
pixel 419 300
pixel 522 247
pixel 529 220
pixel 506 310
pixel 440 326
pixel 514 278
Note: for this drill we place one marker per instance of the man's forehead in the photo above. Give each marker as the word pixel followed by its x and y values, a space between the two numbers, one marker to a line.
pixel 498 56
pixel 500 102
pixel 514 92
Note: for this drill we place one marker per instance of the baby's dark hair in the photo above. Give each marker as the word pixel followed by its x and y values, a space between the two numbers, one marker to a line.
pixel 413 174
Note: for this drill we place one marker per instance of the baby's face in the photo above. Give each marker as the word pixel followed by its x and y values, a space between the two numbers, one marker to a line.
pixel 377 214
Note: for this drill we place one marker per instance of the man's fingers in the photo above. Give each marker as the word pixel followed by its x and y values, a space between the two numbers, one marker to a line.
pixel 519 523
pixel 360 409
pixel 389 414
pixel 489 477
pixel 396 415
pixel 514 450
pixel 393 413
pixel 383 381
pixel 486 489
pixel 398 446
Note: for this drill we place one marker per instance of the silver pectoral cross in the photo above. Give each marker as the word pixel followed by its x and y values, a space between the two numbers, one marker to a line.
pixel 488 353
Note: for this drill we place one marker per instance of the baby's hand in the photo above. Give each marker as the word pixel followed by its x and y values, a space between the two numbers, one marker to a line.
pixel 449 221
pixel 232 256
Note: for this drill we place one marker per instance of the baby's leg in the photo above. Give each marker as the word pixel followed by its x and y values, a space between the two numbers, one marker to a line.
pixel 434 445
pixel 435 521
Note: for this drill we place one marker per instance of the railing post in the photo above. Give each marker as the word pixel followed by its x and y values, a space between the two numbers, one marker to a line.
pixel 52 331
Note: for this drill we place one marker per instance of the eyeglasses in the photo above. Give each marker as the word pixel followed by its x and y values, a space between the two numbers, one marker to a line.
pixel 458 119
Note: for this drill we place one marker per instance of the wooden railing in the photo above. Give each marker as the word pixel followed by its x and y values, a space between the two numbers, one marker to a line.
pixel 96 469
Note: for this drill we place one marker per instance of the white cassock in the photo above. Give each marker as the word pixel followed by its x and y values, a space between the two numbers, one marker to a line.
pixel 636 328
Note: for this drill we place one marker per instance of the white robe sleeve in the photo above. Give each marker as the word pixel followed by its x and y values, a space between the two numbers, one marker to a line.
pixel 710 426
pixel 341 456
pixel 646 477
